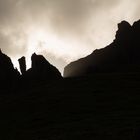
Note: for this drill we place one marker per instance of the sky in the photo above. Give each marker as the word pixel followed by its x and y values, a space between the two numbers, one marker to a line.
pixel 61 30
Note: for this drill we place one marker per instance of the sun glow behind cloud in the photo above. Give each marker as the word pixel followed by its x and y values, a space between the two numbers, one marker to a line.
pixel 61 30
pixel 46 42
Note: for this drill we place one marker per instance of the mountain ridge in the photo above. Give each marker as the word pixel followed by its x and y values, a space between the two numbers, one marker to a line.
pixel 122 52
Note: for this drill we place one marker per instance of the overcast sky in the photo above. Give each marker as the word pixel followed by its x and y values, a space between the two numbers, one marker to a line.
pixel 61 30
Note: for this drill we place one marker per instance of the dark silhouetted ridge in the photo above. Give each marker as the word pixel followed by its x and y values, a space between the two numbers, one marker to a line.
pixel 122 55
pixel 40 71
pixel 8 75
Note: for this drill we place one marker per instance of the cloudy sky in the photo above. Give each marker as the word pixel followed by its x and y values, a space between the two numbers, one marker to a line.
pixel 61 30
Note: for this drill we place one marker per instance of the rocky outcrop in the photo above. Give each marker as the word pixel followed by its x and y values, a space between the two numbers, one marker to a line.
pixel 8 74
pixel 40 71
pixel 121 55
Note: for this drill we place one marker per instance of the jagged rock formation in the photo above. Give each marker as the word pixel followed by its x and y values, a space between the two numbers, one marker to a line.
pixel 121 55
pixel 8 75
pixel 41 71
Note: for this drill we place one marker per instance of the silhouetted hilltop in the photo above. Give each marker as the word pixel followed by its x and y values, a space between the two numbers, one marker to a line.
pixel 121 55
pixel 8 75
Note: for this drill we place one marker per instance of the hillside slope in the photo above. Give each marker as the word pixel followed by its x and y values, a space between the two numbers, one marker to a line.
pixel 101 106
pixel 121 55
